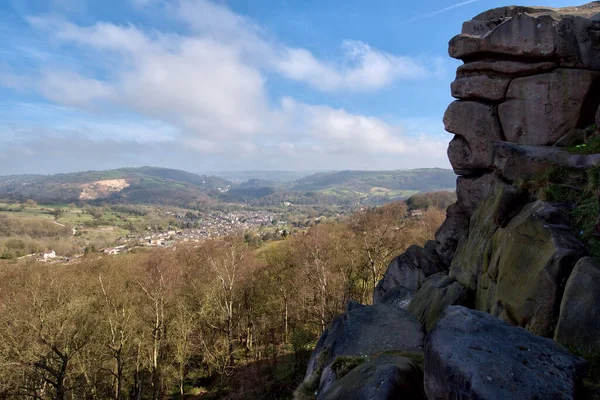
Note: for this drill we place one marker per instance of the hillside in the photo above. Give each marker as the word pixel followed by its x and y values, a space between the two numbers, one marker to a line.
pixel 426 179
pixel 151 185
pixel 136 185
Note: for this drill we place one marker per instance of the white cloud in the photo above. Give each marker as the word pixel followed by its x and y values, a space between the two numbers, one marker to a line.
pixel 360 69
pixel 71 89
pixel 365 68
pixel 205 93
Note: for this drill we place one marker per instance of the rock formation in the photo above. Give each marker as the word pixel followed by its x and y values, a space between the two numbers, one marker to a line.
pixel 474 354
pixel 529 88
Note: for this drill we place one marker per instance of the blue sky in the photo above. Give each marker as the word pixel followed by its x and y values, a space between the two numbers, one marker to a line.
pixel 208 85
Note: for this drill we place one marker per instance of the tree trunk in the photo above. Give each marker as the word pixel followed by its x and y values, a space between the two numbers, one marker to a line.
pixel 285 302
pixel 60 381
pixel 119 387
pixel 230 335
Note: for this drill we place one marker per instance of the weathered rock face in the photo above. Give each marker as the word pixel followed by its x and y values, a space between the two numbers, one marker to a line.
pixel 540 109
pixel 529 87
pixel 531 75
pixel 579 321
pixel 472 355
pixel 409 270
pixel 526 266
pixel 386 377
pixel 399 296
pixel 533 33
pixel 363 331
pixel 471 191
pixel 453 229
pixel 518 272
pixel 476 126
pixel 468 259
pixel 437 293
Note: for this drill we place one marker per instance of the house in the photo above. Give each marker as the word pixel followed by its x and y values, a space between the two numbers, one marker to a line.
pixel 115 250
pixel 45 256
pixel 416 213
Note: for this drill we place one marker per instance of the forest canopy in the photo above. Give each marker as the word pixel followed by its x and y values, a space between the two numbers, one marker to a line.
pixel 219 319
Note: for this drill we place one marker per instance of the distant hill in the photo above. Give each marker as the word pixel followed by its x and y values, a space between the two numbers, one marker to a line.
pixel 151 185
pixel 348 188
pixel 273 176
pixel 427 179
pixel 137 185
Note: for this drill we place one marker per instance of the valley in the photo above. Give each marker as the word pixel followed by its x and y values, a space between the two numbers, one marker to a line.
pixel 123 210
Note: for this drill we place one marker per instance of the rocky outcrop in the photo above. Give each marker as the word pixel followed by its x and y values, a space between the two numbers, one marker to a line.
pixel 398 296
pixel 364 331
pixel 437 293
pixel 529 89
pixel 530 76
pixel 566 35
pixel 579 322
pixel 476 126
pixel 526 266
pixel 409 270
pixel 387 377
pixel 539 109
pixel 518 269
pixel 472 355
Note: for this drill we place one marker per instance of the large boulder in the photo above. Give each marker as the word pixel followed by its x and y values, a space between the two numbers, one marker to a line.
pixel 523 35
pixel 437 293
pixel 364 331
pixel 598 118
pixel 399 296
pixel 579 322
pixel 471 191
pixel 472 355
pixel 525 267
pixel 476 126
pixel 490 19
pixel 488 81
pixel 517 257
pixel 387 377
pixel 512 69
pixel 533 33
pixel 409 270
pixel 509 202
pixel 540 109
pixel 515 162
pixel 480 87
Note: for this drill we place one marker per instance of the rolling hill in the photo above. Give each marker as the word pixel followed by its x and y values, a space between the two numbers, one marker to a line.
pixel 151 185
pixel 135 185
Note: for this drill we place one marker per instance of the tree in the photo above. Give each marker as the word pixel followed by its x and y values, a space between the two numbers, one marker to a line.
pixel 117 306
pixel 31 203
pixel 225 261
pixel 382 236
pixel 47 323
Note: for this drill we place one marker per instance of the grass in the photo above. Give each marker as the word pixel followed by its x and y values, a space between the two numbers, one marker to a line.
pixel 589 143
pixel 344 364
pixel 590 379
pixel 308 389
pixel 580 188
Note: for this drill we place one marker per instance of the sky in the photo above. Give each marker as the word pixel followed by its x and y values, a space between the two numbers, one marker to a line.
pixel 213 85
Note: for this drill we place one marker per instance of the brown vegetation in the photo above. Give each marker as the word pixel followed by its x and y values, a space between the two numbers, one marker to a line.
pixel 208 319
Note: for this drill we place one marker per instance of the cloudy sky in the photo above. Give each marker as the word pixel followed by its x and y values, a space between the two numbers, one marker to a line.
pixel 211 85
